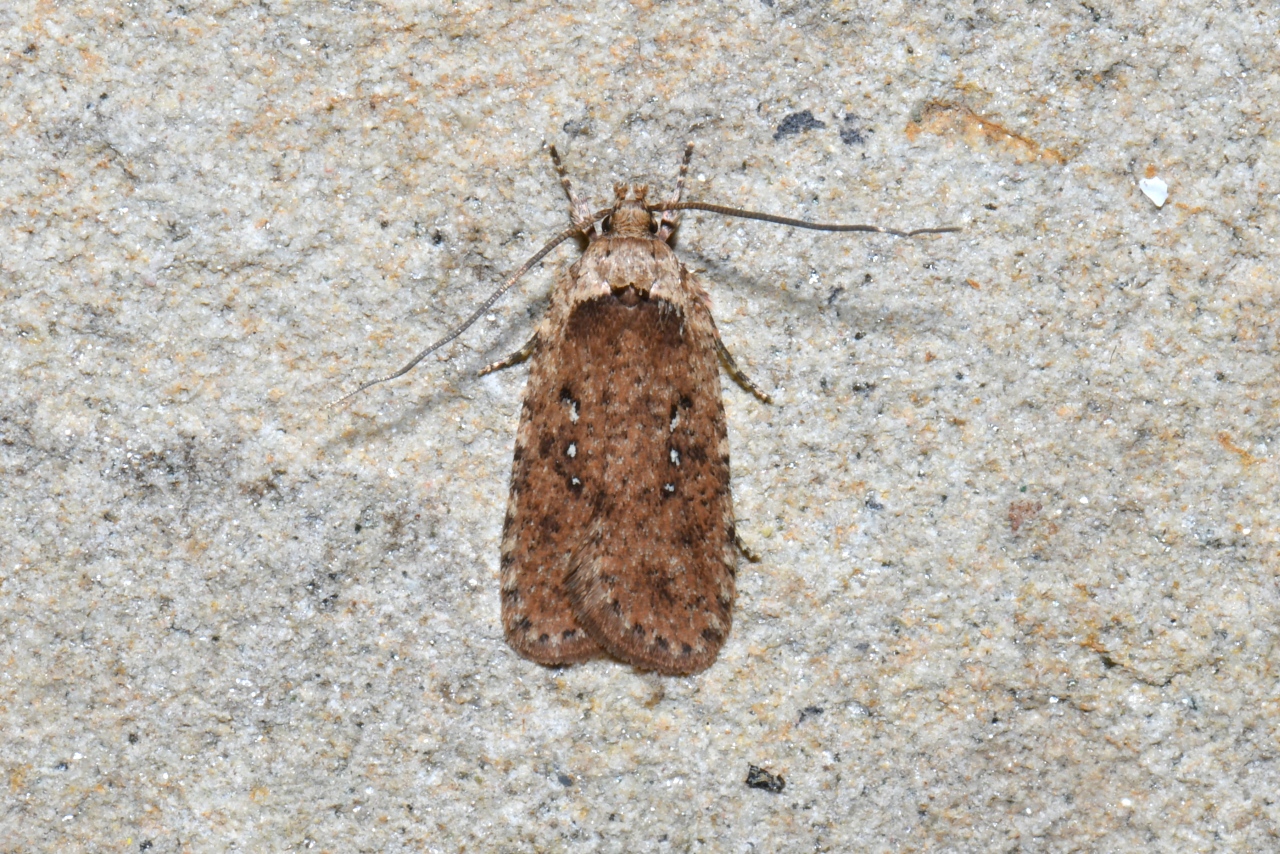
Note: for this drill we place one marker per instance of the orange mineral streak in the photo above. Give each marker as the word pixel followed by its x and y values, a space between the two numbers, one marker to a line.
pixel 955 121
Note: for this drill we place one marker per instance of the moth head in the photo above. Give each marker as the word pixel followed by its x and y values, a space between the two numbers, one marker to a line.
pixel 630 217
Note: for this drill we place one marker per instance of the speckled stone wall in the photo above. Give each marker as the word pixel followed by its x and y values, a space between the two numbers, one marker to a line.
pixel 1016 501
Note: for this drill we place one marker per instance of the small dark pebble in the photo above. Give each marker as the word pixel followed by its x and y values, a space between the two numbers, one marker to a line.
pixel 809 712
pixel 758 778
pixel 798 123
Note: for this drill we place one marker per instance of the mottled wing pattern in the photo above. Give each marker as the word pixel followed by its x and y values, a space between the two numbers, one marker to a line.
pixel 653 583
pixel 549 508
pixel 620 530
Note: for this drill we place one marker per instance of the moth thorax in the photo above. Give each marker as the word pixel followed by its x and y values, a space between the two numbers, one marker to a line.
pixel 630 297
pixel 630 217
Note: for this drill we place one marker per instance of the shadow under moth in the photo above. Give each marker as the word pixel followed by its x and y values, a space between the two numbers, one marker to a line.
pixel 619 536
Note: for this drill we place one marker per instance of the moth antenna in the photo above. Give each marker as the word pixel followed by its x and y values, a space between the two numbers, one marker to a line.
pixel 796 223
pixel 453 333
pixel 579 213
pixel 671 218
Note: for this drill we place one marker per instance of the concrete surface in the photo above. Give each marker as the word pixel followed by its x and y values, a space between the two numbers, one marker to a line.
pixel 1016 501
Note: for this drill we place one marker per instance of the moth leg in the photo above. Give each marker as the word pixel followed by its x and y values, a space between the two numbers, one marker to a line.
pixel 514 359
pixel 744 549
pixel 579 211
pixel 670 219
pixel 736 373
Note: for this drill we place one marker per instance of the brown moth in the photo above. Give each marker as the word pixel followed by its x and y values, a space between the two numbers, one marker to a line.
pixel 619 533
pixel 619 536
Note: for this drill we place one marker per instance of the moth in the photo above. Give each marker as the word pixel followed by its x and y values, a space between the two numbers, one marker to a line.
pixel 619 537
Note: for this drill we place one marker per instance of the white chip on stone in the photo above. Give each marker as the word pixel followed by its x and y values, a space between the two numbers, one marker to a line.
pixel 1155 190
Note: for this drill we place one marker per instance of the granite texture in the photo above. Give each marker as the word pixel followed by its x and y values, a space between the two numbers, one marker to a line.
pixel 1016 500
